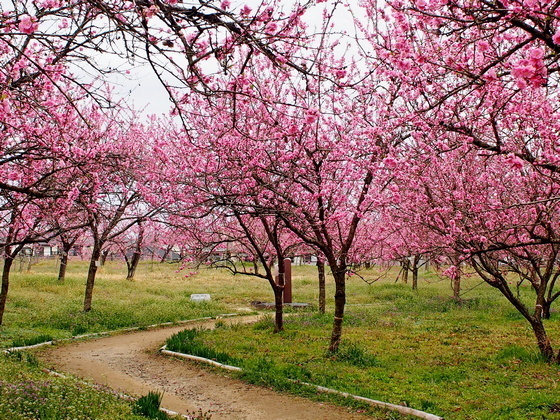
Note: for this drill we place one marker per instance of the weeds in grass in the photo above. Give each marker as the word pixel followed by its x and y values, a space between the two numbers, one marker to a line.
pixel 265 323
pixel 264 371
pixel 354 355
pixel 187 342
pixel 26 393
pixel 23 356
pixel 148 406
pixel 518 353
pixel 23 342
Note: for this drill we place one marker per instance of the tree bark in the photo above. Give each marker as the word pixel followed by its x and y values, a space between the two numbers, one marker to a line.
pixel 165 254
pixel 8 261
pixel 66 247
pixel 322 285
pixel 63 265
pixel 339 305
pixel 92 271
pixel 103 257
pixel 279 310
pixel 133 265
pixel 405 268
pixel 279 298
pixel 543 341
pixel 546 309
pixel 456 285
pixel 415 263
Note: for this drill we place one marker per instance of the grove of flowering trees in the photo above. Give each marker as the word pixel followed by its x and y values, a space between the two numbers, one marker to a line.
pixel 429 131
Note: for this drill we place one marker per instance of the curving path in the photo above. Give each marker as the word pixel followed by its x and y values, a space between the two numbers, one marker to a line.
pixel 130 363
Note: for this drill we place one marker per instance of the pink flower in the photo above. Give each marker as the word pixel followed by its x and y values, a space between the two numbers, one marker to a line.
pixel 340 73
pixel 556 37
pixel 49 4
pixel 225 4
pixel 483 45
pixel 311 115
pixel 28 24
pixel 536 53
pixel 245 11
pixel 390 162
pixel 271 28
pixel 515 161
pixel 452 272
pixel 523 69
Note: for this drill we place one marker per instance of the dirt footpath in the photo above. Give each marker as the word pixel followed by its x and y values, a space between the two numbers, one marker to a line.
pixel 130 363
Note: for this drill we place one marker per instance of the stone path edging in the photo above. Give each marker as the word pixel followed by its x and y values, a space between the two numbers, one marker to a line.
pixel 399 408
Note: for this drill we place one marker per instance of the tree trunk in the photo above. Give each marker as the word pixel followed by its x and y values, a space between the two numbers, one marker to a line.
pixel 279 298
pixel 279 310
pixel 165 254
pixel 405 268
pixel 133 264
pixel 415 263
pixel 62 268
pixel 546 309
pixel 66 247
pixel 103 258
pixel 456 285
pixel 543 341
pixel 339 304
pixel 8 261
pixel 137 253
pixel 498 281
pixel 322 285
pixel 92 271
pixel 30 262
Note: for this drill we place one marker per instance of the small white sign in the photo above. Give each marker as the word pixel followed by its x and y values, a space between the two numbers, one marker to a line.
pixel 200 297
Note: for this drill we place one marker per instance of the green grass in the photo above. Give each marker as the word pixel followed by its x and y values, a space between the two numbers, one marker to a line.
pixel 473 359
pixel 27 393
pixel 39 306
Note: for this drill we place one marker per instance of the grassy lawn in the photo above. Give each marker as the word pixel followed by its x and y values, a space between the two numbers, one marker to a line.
pixel 40 305
pixel 471 360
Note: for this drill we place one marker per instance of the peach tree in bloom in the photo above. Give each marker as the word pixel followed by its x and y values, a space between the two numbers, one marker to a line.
pixel 307 150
